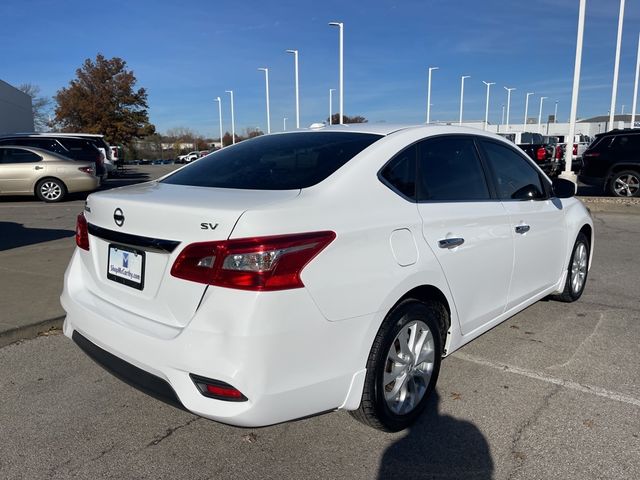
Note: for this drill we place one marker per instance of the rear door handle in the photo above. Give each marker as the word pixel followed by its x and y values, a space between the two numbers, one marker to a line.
pixel 450 242
pixel 522 228
pixel 38 167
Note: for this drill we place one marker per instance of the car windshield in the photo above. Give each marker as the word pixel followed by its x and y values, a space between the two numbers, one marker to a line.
pixel 275 162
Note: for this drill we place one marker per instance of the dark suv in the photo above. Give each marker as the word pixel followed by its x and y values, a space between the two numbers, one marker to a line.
pixel 70 147
pixel 612 162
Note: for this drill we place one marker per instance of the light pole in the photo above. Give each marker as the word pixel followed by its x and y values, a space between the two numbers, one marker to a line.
pixel 340 25
pixel 486 108
pixel 616 66
pixel 542 99
pixel 526 109
pixel 233 119
pixel 431 69
pixel 295 66
pixel 635 87
pixel 219 100
pixel 331 90
pixel 502 121
pixel 568 152
pixel 284 124
pixel 462 95
pixel 266 81
pixel 508 103
pixel 555 113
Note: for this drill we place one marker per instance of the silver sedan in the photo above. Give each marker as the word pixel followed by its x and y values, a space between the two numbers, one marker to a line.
pixel 47 175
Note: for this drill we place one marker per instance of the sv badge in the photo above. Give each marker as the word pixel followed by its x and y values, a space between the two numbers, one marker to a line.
pixel 208 226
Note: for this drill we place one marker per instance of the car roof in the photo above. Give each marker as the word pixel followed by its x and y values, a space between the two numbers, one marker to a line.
pixel 53 134
pixel 39 151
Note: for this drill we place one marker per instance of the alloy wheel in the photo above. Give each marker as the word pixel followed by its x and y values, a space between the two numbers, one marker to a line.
pixel 626 185
pixel 579 268
pixel 51 190
pixel 408 367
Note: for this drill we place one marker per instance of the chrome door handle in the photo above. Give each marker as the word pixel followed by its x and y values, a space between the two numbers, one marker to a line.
pixel 38 167
pixel 522 228
pixel 450 242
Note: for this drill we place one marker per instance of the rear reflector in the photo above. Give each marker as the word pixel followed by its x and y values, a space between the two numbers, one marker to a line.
pixel 258 263
pixel 217 389
pixel 82 232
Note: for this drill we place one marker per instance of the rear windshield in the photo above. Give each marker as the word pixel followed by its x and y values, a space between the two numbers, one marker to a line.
pixel 275 162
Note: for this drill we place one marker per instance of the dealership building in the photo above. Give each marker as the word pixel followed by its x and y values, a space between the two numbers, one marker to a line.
pixel 16 114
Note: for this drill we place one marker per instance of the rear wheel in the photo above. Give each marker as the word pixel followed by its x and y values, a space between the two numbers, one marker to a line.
pixel 403 365
pixel 625 184
pixel 51 190
pixel 578 271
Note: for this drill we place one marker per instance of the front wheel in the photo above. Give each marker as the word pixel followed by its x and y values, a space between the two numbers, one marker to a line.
pixel 625 184
pixel 577 271
pixel 403 365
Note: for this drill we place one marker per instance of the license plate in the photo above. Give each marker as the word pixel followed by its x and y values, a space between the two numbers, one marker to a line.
pixel 126 266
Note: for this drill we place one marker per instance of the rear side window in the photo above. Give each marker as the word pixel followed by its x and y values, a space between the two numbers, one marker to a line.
pixel 17 155
pixel 515 178
pixel 275 162
pixel 626 143
pixel 449 170
pixel 400 172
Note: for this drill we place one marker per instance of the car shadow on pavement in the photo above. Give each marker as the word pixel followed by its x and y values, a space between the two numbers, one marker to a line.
pixel 13 235
pixel 438 446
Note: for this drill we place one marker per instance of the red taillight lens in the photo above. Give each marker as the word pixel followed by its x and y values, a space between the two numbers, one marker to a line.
pixel 575 149
pixel 591 154
pixel 217 389
pixel 541 153
pixel 82 232
pixel 260 263
pixel 88 170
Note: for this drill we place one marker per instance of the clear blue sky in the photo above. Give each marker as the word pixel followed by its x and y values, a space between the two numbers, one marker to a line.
pixel 188 52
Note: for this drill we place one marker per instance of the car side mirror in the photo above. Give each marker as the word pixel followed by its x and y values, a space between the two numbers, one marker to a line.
pixel 563 188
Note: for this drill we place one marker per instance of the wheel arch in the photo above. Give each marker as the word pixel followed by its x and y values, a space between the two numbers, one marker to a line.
pixel 430 292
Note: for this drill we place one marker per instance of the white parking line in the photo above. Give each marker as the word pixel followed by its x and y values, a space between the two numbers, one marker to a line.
pixel 598 391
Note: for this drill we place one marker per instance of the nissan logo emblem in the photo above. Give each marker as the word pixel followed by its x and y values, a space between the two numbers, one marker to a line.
pixel 118 217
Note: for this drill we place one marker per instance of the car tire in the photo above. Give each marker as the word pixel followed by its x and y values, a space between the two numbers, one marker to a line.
pixel 51 190
pixel 625 184
pixel 577 271
pixel 394 365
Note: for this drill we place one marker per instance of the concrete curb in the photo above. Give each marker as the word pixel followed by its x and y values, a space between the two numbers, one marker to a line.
pixel 26 332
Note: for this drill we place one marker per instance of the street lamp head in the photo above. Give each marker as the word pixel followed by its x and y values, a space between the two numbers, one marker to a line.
pixel 228 91
pixel 433 68
pixel 336 24
pixel 509 89
pixel 263 69
pixel 217 99
pixel 465 76
pixel 292 51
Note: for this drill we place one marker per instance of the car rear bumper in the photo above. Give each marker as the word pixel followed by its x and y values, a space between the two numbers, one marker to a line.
pixel 85 183
pixel 276 348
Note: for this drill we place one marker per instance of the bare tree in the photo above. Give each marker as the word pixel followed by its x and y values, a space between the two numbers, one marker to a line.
pixel 41 106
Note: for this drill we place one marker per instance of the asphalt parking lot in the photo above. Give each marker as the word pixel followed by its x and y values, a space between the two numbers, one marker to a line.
pixel 554 392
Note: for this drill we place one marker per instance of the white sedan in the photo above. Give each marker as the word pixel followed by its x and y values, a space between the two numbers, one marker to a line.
pixel 333 268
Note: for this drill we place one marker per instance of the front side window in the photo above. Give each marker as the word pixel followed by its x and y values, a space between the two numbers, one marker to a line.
pixel 449 170
pixel 287 161
pixel 400 172
pixel 514 177
pixel 17 155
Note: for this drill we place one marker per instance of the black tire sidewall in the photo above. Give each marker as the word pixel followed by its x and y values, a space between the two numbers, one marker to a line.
pixel 404 313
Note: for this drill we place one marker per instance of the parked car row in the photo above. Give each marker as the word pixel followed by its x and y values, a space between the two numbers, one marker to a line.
pixel 50 165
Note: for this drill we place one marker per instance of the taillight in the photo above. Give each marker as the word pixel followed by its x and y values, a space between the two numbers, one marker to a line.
pixel 88 170
pixel 217 389
pixel 82 232
pixel 591 154
pixel 541 153
pixel 575 149
pixel 259 263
